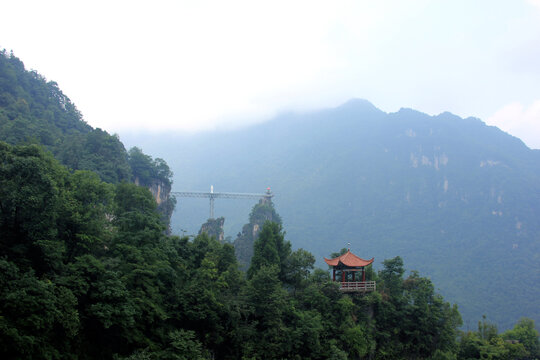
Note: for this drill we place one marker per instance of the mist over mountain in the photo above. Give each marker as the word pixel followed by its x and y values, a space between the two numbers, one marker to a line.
pixel 457 199
pixel 89 269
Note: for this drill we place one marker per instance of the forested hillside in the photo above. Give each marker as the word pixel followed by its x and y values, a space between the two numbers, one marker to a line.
pixel 88 271
pixel 243 244
pixel 457 199
pixel 35 111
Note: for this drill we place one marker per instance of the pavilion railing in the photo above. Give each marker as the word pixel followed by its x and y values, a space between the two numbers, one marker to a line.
pixel 358 286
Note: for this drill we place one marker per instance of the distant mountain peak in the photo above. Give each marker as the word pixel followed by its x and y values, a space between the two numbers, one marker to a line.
pixel 450 116
pixel 410 111
pixel 359 105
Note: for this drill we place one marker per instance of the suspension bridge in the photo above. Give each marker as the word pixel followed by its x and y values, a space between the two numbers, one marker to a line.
pixel 267 196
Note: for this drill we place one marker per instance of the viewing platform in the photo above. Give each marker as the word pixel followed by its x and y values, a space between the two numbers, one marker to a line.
pixel 350 268
pixel 358 286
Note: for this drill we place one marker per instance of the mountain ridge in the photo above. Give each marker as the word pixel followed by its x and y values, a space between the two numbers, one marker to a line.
pixel 440 190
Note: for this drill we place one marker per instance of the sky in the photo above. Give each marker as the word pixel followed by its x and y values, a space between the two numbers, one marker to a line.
pixel 161 66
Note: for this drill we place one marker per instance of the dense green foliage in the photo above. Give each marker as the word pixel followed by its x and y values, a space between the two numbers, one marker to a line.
pixel 244 242
pixel 213 228
pixel 35 111
pixel 147 170
pixel 31 106
pixel 155 175
pixel 87 272
pixel 519 343
pixel 458 200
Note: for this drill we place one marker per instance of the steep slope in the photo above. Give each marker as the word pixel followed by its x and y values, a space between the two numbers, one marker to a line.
pixel 243 244
pixel 214 228
pixel 459 200
pixel 35 111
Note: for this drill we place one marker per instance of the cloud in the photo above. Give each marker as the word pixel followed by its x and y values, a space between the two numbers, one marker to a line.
pixel 535 3
pixel 190 66
pixel 520 121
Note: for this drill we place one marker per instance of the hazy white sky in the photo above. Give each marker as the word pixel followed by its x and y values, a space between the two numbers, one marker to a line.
pixel 194 65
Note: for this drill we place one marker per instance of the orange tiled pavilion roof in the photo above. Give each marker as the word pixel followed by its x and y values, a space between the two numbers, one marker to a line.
pixel 348 259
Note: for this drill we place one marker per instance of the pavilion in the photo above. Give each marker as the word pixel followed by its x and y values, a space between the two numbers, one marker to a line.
pixel 351 272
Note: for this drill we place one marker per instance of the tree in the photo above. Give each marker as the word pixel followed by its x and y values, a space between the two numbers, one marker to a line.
pixel 270 249
pixel 486 329
pixel 38 318
pixel 85 219
pixel 429 323
pixel 104 304
pixel 135 214
pixel 105 155
pixel 244 243
pixel 265 294
pixel 141 166
pixel 31 197
pixel 183 345
pixel 412 320
pixel 392 276
pixel 298 268
pixel 525 332
pixel 145 169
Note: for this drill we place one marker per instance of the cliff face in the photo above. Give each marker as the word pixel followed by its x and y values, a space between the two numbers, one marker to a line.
pixel 243 245
pixel 161 192
pixel 214 228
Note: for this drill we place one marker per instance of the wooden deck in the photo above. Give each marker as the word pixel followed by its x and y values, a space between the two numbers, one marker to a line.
pixel 358 286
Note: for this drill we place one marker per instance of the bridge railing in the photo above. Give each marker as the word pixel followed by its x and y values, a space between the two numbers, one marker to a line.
pixel 358 286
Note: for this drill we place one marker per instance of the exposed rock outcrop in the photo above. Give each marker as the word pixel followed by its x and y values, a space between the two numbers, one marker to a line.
pixel 214 228
pixel 161 192
pixel 243 245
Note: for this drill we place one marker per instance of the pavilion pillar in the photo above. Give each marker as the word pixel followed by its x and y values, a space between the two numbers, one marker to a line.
pixel 353 276
pixel 343 276
pixel 333 274
pixel 363 274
